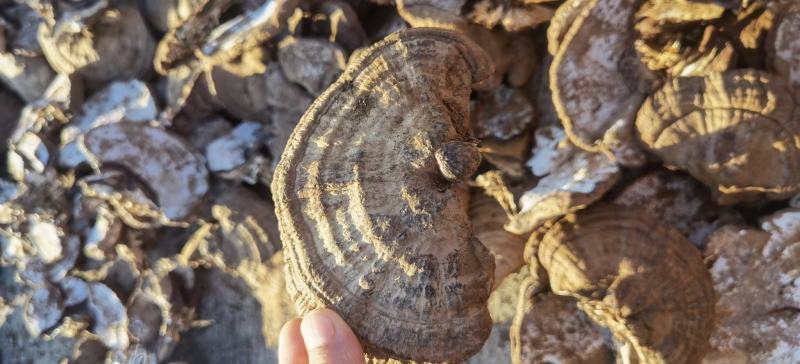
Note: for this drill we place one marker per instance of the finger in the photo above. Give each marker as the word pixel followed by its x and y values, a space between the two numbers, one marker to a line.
pixel 291 349
pixel 329 340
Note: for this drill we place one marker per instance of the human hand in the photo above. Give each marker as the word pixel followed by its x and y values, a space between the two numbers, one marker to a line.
pixel 321 337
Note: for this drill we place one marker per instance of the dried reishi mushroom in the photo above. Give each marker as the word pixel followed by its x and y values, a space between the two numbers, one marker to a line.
pixel 502 113
pixel 432 13
pixel 373 225
pixel 312 63
pixel 513 16
pixel 169 14
pixel 757 277
pixel 113 44
pixel 488 218
pixel 242 84
pixel 170 167
pixel 119 101
pixel 784 47
pixel 551 328
pixel 109 319
pixel 733 131
pixel 43 309
pixel 642 280
pixel 677 200
pixel 671 44
pixel 570 179
pixel 596 80
pixel 675 11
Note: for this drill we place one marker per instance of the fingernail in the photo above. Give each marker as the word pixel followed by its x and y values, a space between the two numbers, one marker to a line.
pixel 317 329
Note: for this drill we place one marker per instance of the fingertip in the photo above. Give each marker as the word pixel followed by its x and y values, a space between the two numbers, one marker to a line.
pixel 318 328
pixel 329 339
pixel 291 349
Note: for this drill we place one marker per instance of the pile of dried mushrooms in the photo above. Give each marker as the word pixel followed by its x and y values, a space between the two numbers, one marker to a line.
pixel 480 181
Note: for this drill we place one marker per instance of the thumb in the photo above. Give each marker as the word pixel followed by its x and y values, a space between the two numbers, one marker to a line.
pixel 329 340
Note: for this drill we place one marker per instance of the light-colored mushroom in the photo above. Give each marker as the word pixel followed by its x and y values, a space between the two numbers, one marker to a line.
pixel 168 165
pixel 756 273
pixel 596 78
pixel 570 179
pixel 513 16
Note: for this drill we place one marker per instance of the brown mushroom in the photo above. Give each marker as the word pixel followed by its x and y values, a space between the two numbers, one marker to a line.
pixel 427 13
pixel 642 280
pixel 372 222
pixel 755 273
pixel 733 131
pixel 168 14
pixel 311 63
pixel 513 16
pixel 677 200
pixel 488 218
pixel 596 78
pixel 114 44
pixel 164 161
pixel 570 179
pixel 783 46
pixel 551 328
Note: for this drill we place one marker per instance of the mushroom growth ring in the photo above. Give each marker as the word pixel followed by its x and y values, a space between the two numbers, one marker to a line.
pixel 372 200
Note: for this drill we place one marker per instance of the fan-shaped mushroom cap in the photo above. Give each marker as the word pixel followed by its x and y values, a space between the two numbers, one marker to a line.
pixel 371 226
pixel 642 280
pixel 733 131
pixel 596 77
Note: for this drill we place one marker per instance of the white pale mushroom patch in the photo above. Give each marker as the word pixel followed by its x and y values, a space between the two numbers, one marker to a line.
pixel 168 165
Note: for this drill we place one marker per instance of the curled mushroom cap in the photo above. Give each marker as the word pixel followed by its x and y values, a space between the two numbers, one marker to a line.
pixel 733 131
pixel 595 77
pixel 642 280
pixel 374 222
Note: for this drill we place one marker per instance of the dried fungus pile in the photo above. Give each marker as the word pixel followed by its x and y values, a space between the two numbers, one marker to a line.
pixel 479 181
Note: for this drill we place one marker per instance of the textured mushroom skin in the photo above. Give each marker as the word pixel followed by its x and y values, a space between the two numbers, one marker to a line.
pixel 371 227
pixel 733 131
pixel 643 281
